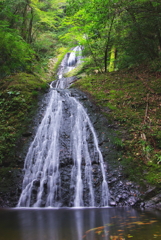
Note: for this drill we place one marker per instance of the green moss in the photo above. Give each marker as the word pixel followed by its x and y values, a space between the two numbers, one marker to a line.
pixel 18 100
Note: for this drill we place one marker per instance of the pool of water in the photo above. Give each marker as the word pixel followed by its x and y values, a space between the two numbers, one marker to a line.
pixel 77 224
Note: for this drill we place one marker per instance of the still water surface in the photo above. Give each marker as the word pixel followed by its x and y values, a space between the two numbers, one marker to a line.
pixel 77 224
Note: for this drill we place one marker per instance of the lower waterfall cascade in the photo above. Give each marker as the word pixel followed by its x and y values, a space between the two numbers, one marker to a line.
pixel 64 166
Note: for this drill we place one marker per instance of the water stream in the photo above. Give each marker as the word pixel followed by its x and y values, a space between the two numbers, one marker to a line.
pixel 60 166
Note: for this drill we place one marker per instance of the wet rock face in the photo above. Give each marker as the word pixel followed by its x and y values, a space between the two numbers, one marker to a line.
pixel 152 198
pixel 67 192
pixel 122 191
pixel 11 187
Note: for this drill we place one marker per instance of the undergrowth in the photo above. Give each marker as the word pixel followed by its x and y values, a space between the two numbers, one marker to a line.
pixel 18 99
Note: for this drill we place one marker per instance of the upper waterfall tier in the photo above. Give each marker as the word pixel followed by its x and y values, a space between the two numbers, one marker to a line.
pixel 70 61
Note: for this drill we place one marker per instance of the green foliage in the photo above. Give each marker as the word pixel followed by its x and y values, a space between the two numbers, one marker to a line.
pixel 45 45
pixel 35 93
pixel 26 25
pixel 18 100
pixel 16 54
pixel 131 26
pixel 90 27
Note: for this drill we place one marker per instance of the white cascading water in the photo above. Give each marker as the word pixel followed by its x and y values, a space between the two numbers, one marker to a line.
pixel 64 165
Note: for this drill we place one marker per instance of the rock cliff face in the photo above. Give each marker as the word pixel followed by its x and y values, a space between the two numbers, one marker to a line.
pixel 122 191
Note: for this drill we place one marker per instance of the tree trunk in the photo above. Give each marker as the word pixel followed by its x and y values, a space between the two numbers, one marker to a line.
pixel 112 59
pixel 30 27
pixel 107 43
pixel 24 23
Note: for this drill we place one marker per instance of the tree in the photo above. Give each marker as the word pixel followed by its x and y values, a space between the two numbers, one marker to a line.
pixel 21 22
pixel 133 27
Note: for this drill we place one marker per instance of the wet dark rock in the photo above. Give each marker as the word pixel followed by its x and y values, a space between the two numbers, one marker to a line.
pixel 113 204
pixel 12 193
pixel 27 134
pixel 118 198
pixel 36 183
pixel 19 189
pixel 154 202
pixel 132 201
pixel 34 190
pixel 111 181
pixel 120 184
pixel 95 162
pixel 151 192
pixel 129 183
pixel 45 183
pixel 142 204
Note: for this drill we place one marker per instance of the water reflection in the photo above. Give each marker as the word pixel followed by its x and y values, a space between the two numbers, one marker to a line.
pixel 78 224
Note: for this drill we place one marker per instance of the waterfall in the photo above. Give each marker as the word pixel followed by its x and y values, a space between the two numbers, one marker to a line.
pixel 64 166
